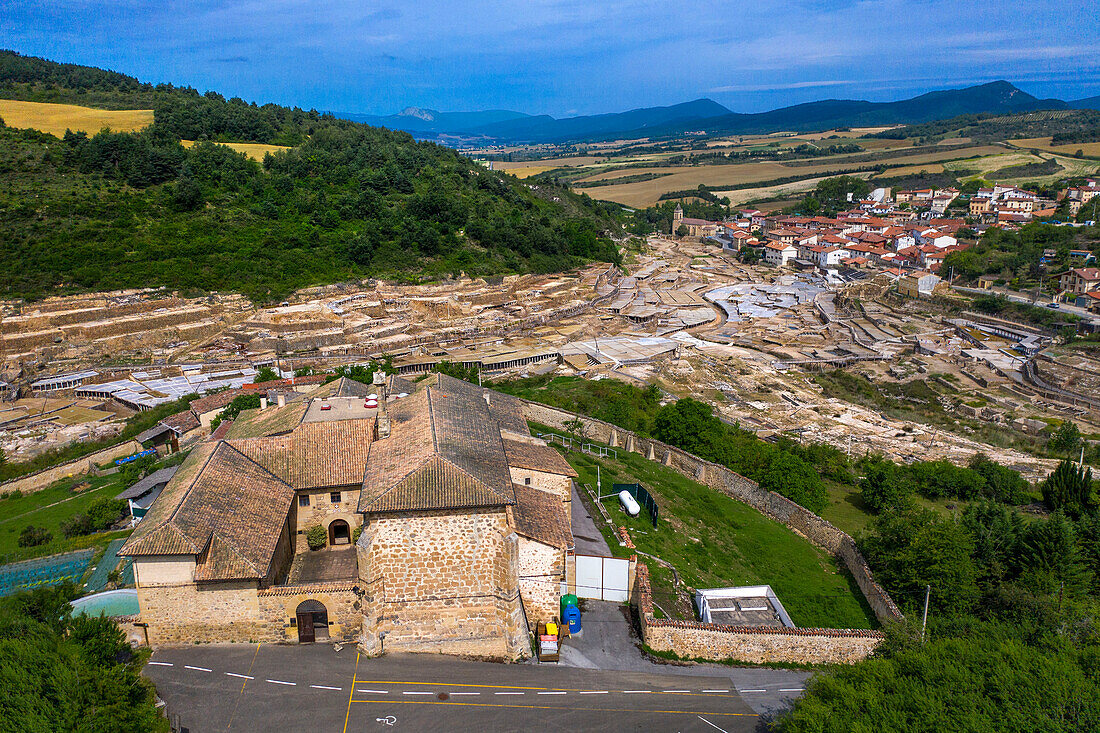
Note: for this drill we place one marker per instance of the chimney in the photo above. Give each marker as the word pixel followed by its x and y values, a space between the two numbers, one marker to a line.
pixel 379 383
pixel 281 399
pixel 381 425
pixel 263 404
pixel 488 403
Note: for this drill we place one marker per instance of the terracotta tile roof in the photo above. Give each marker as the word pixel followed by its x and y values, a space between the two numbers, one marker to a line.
pixel 444 451
pixel 221 507
pixel 540 516
pixel 221 430
pixel 315 454
pixel 181 422
pixel 215 401
pixel 272 421
pixel 536 457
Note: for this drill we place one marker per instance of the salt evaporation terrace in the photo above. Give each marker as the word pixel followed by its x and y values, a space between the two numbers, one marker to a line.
pixel 764 300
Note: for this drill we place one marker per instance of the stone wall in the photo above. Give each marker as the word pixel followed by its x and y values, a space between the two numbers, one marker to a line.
pixel 323 511
pixel 211 612
pixel 278 606
pixel 560 486
pixel 41 479
pixel 541 573
pixel 751 644
pixel 770 504
pixel 442 581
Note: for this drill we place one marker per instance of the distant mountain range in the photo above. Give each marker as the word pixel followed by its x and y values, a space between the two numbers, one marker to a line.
pixel 707 116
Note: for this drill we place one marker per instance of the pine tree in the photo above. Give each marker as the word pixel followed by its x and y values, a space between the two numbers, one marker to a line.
pixel 1069 489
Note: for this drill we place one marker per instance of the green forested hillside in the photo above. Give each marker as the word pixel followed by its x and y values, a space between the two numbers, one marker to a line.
pixel 138 209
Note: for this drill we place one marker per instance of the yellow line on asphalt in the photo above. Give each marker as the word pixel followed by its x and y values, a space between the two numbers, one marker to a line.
pixel 459 684
pixel 243 683
pixel 351 694
pixel 543 689
pixel 553 707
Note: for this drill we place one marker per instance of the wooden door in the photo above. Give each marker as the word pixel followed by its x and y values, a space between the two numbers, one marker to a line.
pixel 305 627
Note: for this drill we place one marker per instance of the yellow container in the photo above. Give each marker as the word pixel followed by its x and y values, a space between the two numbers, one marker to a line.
pixel 552 629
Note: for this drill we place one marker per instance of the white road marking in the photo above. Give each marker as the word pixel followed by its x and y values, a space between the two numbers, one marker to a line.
pixel 197 669
pixel 280 682
pixel 325 687
pixel 550 693
pixel 631 692
pixel 680 692
pixel 375 692
pixel 715 690
pixel 417 693
pixel 752 690
pixel 712 725
pixel 162 664
pixel 240 676
pixel 792 689
pixel 507 693
pixel 454 694
pixel 593 692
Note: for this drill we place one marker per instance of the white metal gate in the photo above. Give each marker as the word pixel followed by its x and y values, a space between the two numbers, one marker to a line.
pixel 603 578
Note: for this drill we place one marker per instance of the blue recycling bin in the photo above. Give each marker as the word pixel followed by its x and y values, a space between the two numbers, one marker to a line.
pixel 571 616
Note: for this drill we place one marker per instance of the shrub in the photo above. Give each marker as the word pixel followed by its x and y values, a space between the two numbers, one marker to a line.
pixel 104 511
pixel 32 536
pixel 76 525
pixel 316 537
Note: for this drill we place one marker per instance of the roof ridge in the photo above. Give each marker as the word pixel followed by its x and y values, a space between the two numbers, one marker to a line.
pixel 431 418
pixel 254 463
pixel 224 542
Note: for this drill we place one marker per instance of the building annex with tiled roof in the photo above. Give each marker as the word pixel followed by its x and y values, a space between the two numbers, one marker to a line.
pixel 418 499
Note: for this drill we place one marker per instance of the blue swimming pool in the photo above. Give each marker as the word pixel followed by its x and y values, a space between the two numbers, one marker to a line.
pixel 110 603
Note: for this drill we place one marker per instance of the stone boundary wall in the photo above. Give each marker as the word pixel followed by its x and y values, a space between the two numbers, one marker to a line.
pixel 41 479
pixel 770 504
pixel 1030 372
pixel 753 644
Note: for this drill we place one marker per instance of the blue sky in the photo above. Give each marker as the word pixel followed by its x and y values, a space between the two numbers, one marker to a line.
pixel 565 57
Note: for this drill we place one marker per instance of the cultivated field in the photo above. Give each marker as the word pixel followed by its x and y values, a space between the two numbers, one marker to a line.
pixel 256 151
pixel 1043 143
pixel 56 118
pixel 678 178
pixel 740 196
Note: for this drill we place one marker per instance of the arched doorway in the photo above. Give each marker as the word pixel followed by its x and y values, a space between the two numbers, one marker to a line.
pixel 339 533
pixel 312 621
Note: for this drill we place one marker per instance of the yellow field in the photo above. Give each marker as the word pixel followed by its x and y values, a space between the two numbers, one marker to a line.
pixel 525 171
pixel 56 118
pixel 256 151
pixel 1043 143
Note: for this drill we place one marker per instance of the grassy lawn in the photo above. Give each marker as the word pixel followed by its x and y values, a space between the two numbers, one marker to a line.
pixel 716 541
pixel 49 508
pixel 845 510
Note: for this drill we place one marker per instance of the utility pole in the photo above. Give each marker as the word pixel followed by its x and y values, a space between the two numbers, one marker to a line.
pixel 924 621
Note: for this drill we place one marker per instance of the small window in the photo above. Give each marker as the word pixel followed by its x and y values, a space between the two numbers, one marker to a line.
pixel 527 481
pixel 335 496
pixel 303 500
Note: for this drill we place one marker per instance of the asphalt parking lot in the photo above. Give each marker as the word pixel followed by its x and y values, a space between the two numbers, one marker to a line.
pixel 314 688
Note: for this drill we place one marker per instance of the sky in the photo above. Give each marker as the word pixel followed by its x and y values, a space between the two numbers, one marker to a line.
pixel 566 57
